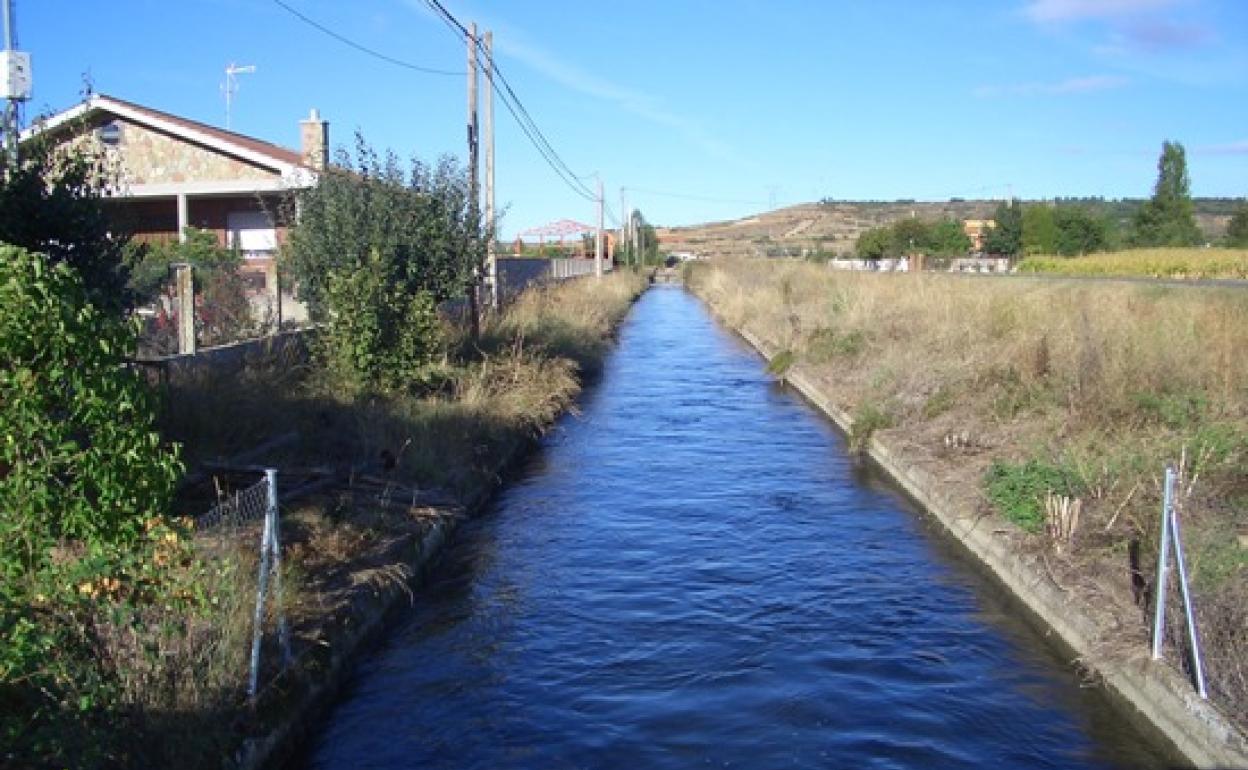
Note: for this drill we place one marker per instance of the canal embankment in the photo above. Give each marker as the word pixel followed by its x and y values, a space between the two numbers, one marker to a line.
pixel 986 403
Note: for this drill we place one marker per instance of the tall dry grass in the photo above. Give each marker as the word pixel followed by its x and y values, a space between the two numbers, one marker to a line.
pixel 1098 385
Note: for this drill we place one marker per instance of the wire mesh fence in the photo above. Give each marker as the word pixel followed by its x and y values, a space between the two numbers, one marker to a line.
pixel 255 503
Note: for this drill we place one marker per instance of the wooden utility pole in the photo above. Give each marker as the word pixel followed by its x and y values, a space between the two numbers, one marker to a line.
pixel 619 242
pixel 598 235
pixel 491 252
pixel 474 195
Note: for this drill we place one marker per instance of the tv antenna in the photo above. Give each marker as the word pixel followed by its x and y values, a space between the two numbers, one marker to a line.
pixel 232 70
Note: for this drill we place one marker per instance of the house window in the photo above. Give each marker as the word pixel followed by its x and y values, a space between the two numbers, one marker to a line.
pixel 252 233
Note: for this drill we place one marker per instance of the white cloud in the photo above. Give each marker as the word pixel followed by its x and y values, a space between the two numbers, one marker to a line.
pixel 1058 11
pixel 1077 85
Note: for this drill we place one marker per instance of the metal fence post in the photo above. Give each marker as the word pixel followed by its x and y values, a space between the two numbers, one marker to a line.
pixel 1159 591
pixel 261 590
pixel 283 631
pixel 1188 610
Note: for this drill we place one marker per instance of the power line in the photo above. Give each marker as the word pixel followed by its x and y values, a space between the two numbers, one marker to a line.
pixel 363 48
pixel 518 111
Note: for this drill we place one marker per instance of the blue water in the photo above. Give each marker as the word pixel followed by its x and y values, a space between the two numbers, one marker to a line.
pixel 694 573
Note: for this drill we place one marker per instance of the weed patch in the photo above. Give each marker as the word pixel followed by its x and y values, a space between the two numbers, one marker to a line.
pixel 1019 490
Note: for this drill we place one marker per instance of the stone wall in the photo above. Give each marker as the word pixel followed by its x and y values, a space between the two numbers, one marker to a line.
pixel 152 157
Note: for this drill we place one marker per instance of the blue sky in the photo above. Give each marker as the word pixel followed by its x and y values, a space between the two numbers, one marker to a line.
pixel 708 109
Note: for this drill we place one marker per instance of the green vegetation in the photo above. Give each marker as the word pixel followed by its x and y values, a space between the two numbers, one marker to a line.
pixel 867 419
pixel 375 249
pixel 88 557
pixel 1237 228
pixel 1007 237
pixel 223 312
pixel 1019 490
pixel 646 249
pixel 52 202
pixel 1168 218
pixel 942 237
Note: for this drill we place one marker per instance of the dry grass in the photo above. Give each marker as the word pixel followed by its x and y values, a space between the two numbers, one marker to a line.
pixel 1151 263
pixel 1101 384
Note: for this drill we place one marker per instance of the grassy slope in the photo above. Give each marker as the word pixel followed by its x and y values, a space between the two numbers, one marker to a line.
pixel 1090 389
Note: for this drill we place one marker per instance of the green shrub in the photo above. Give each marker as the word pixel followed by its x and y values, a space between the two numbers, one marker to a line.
pixel 1019 490
pixel 84 486
pixel 868 418
pixel 781 362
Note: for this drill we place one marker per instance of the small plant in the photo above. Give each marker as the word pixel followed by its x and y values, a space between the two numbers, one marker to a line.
pixel 1019 490
pixel 869 418
pixel 826 344
pixel 781 363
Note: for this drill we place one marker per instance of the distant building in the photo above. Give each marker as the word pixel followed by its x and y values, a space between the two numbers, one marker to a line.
pixel 977 230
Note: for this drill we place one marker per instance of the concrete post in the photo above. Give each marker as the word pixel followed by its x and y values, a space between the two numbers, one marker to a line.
pixel 185 283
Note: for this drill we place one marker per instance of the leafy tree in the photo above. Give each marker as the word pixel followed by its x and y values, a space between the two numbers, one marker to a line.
pixel 84 488
pixel 910 235
pixel 874 243
pixel 946 238
pixel 375 249
pixel 1237 228
pixel 1007 237
pixel 1039 230
pixel 52 201
pixel 1168 219
pixel 1078 231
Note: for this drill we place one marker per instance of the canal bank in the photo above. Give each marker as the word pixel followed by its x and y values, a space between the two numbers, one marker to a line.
pixel 694 570
pixel 403 528
pixel 1151 694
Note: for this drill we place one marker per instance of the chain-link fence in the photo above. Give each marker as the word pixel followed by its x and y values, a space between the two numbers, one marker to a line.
pixel 255 503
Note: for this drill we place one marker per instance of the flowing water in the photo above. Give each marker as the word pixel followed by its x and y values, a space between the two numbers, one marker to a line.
pixel 694 573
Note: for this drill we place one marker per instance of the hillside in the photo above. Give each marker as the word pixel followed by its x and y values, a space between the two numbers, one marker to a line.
pixel 834 226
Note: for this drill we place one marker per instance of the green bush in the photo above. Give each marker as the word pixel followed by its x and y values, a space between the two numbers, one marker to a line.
pixel 84 486
pixel 380 336
pixel 1019 490
pixel 868 418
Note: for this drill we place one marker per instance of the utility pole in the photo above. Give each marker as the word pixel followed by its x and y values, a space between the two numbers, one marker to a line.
pixel 14 80
pixel 491 251
pixel 474 195
pixel 619 242
pixel 598 235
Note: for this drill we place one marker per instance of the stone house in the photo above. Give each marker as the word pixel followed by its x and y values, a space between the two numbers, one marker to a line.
pixel 176 173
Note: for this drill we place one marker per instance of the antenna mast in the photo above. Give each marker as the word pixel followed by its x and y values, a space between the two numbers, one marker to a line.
pixel 232 70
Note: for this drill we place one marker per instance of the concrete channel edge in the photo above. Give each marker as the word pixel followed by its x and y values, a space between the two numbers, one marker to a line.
pixel 1159 696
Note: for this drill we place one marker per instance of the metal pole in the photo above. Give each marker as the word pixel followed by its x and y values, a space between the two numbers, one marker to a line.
pixel 283 630
pixel 258 620
pixel 491 254
pixel 1159 591
pixel 598 235
pixel 1188 609
pixel 474 194
pixel 10 108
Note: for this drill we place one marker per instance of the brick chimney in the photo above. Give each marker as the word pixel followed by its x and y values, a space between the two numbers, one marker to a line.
pixel 314 140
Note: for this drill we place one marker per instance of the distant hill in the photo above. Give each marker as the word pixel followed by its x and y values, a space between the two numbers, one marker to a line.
pixel 834 226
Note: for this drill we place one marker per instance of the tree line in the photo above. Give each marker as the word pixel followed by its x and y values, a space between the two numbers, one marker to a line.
pixel 1067 227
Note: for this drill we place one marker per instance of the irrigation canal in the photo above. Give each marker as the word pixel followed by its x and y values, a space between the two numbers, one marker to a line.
pixel 693 572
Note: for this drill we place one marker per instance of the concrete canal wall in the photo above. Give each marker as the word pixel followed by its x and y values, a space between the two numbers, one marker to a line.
pixel 1154 695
